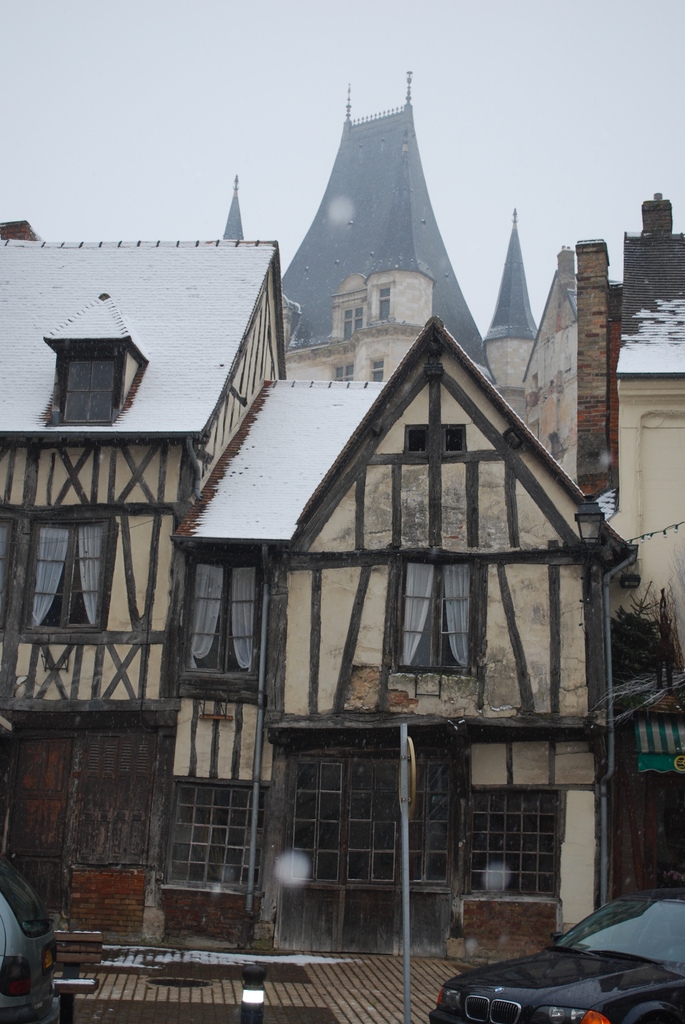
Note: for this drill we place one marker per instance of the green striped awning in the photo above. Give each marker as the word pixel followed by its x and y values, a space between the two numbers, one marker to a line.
pixel 660 743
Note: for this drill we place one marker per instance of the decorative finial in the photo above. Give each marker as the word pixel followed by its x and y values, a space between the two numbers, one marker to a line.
pixel 409 77
pixel 515 218
pixel 349 104
pixel 235 186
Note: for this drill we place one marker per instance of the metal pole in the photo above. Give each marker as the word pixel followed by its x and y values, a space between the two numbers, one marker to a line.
pixel 406 922
pixel 611 756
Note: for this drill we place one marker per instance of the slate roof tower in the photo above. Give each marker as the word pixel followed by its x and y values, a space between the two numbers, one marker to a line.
pixel 234 224
pixel 512 332
pixel 375 218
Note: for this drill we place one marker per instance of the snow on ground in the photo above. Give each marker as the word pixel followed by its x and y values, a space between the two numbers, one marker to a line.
pixel 146 956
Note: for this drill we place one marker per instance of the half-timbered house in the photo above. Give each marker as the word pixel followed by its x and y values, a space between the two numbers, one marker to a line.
pixel 126 371
pixel 420 562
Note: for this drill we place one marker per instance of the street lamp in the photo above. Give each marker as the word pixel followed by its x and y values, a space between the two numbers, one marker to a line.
pixel 589 518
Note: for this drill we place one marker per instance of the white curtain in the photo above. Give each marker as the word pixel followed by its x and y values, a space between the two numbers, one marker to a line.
pixel 208 586
pixel 52 550
pixel 89 550
pixel 3 559
pixel 456 588
pixel 242 614
pixel 417 602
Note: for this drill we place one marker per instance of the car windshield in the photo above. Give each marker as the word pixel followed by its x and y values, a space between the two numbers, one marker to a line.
pixel 26 905
pixel 654 929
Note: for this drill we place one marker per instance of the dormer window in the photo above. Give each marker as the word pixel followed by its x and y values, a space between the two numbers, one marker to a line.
pixel 97 364
pixel 90 384
pixel 354 321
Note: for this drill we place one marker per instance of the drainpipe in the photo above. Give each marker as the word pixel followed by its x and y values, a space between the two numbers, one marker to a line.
pixel 259 736
pixel 197 480
pixel 611 757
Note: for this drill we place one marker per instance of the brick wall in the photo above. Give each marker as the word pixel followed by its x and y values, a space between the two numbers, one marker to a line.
pixel 509 927
pixel 108 901
pixel 219 915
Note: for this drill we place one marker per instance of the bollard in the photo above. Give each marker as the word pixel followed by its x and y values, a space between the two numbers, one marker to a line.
pixel 252 1006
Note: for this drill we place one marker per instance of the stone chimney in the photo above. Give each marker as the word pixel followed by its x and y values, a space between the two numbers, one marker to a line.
pixel 566 265
pixel 657 216
pixel 593 457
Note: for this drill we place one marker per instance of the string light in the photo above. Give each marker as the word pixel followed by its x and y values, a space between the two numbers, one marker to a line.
pixel 648 536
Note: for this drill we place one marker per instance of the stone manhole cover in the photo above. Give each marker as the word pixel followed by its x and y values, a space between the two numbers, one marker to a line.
pixel 179 982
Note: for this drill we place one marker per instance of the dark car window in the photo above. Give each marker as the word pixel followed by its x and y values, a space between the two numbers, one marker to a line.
pixel 26 904
pixel 643 927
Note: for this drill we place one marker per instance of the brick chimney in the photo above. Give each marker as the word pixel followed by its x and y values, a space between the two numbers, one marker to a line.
pixel 593 458
pixel 18 229
pixel 657 216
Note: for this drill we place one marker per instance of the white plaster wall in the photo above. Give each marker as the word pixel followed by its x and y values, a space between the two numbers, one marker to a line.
pixel 415 506
pixel 338 532
pixel 296 695
pixel 378 507
pixel 530 764
pixel 338 590
pixel 529 586
pixel 369 650
pixel 578 857
pixel 493 531
pixel 573 689
pixel 489 764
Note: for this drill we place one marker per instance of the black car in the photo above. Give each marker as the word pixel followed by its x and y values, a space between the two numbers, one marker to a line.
pixel 624 964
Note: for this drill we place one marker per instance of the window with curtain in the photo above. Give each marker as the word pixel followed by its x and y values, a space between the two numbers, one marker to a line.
pixel 223 618
pixel 435 631
pixel 67 587
pixel 4 552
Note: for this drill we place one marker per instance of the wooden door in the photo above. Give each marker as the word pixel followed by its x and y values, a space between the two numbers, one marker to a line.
pixel 345 820
pixel 39 811
pixel 115 790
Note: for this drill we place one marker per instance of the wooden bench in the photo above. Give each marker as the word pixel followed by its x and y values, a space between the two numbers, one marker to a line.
pixel 74 951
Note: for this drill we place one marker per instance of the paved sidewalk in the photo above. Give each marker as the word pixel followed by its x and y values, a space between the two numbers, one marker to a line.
pixel 165 986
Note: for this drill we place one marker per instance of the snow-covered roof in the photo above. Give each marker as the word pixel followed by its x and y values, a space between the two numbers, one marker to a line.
pixel 185 304
pixel 289 444
pixel 658 347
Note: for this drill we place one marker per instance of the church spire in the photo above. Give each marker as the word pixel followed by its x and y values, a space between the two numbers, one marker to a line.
pixel 513 318
pixel 509 341
pixel 234 224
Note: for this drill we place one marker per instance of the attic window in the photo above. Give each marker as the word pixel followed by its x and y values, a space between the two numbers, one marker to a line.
pixel 415 439
pixel 453 439
pixel 90 385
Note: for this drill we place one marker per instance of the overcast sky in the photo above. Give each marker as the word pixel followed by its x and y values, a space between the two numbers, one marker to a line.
pixel 129 119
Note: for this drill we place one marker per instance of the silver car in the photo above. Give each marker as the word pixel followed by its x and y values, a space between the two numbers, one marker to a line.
pixel 27 953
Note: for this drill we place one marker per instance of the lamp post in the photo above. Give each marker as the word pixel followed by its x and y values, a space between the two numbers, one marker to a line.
pixel 590 519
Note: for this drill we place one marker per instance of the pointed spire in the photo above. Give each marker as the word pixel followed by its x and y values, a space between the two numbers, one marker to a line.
pixel 234 224
pixel 409 78
pixel 513 318
pixel 348 108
